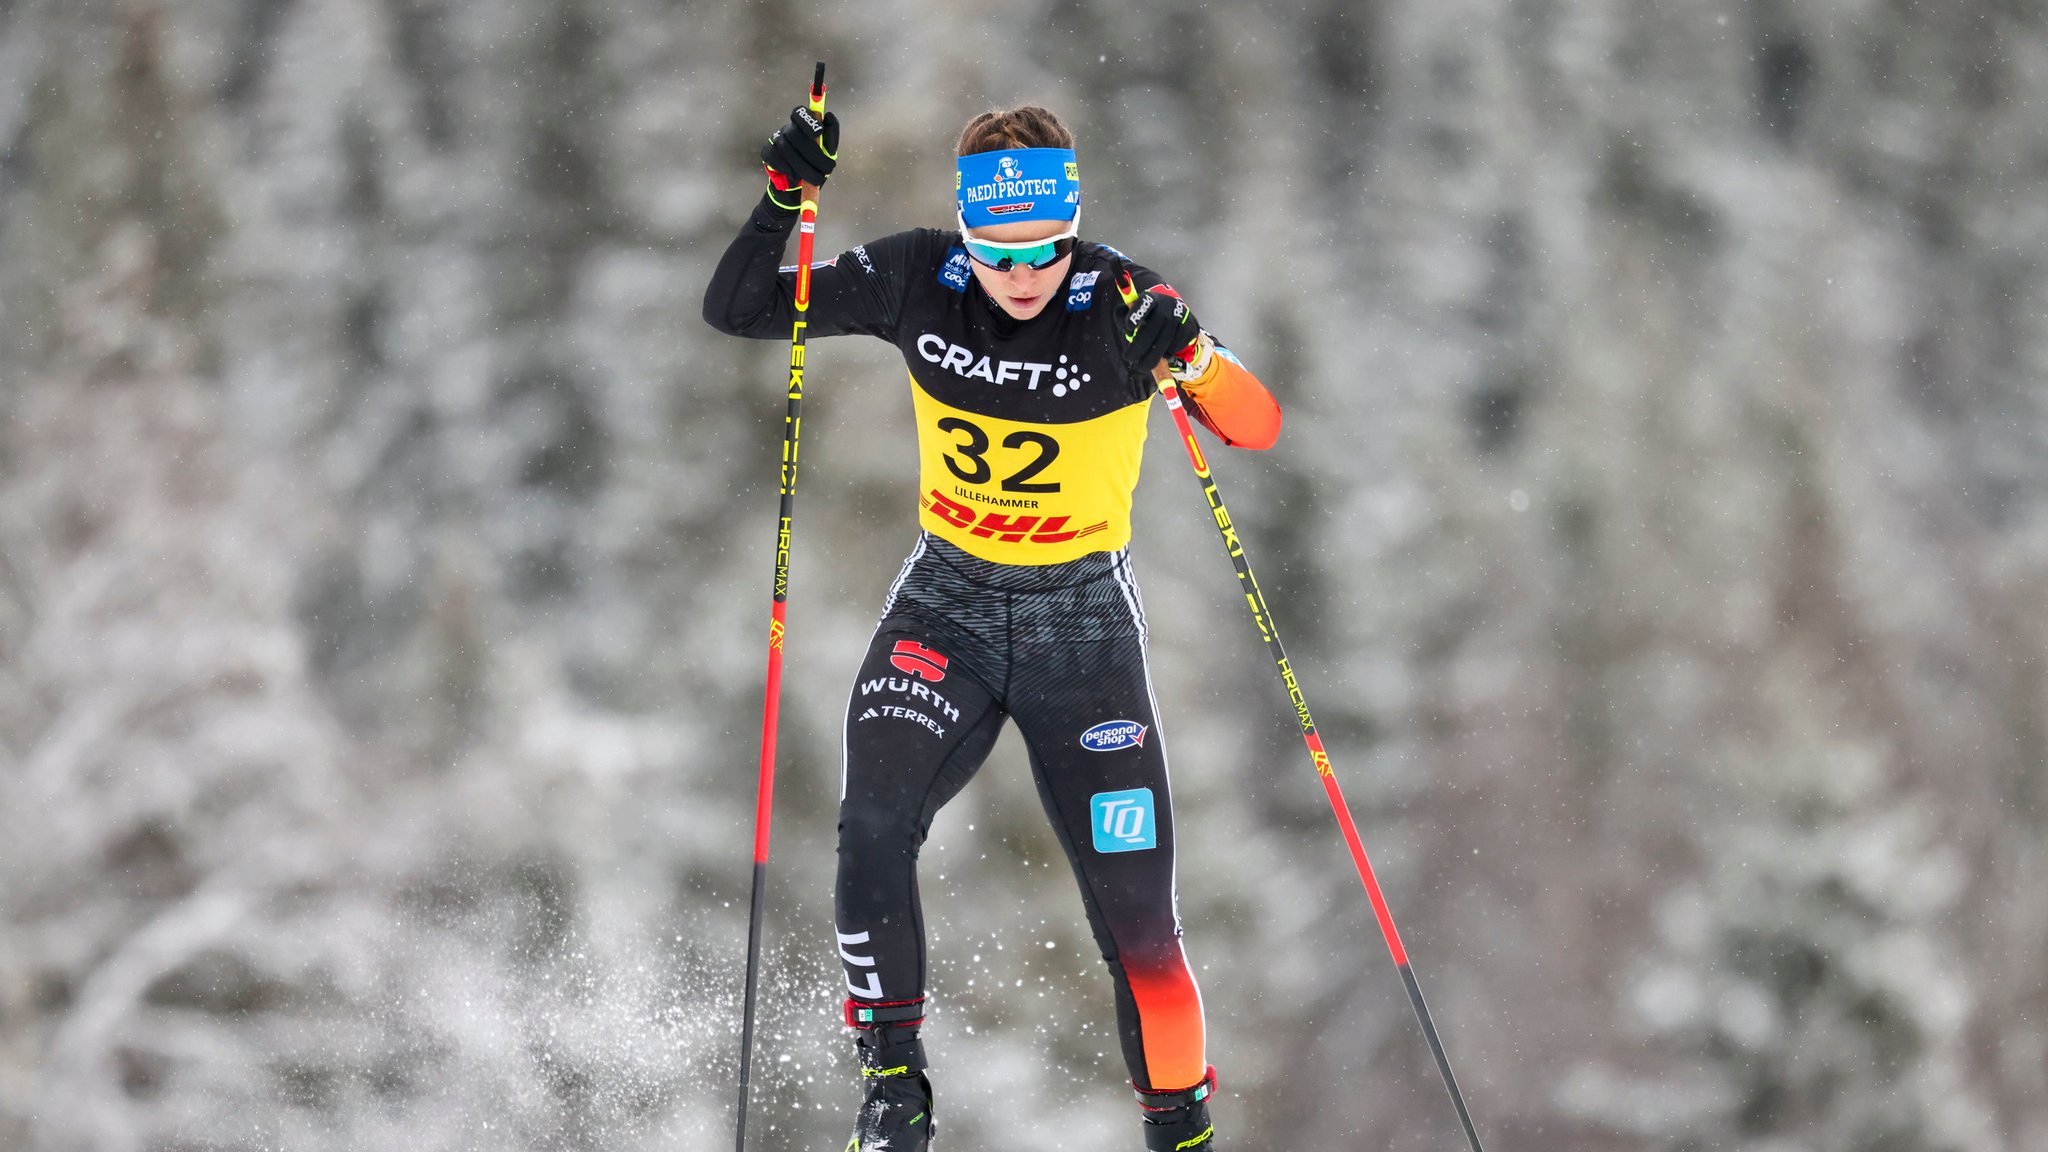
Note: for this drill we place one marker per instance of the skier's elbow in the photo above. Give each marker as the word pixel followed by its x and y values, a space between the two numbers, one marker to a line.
pixel 718 314
pixel 1261 436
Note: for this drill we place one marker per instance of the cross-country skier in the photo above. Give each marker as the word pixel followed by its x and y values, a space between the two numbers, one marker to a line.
pixel 1030 385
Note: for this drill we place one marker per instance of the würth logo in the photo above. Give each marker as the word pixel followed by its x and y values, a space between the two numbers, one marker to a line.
pixel 917 660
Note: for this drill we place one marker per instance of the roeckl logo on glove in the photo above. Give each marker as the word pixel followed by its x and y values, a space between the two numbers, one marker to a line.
pixel 811 121
pixel 1143 309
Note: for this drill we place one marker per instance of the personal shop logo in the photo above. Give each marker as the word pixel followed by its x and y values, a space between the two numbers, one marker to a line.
pixel 1111 735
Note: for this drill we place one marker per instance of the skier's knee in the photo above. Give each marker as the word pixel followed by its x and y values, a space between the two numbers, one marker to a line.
pixel 868 833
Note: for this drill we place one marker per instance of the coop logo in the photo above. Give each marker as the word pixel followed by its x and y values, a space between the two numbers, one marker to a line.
pixel 953 273
pixel 1124 821
pixel 1081 291
pixel 1111 735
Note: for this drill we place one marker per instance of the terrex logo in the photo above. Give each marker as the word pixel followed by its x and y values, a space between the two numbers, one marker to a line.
pixel 966 365
pixel 1111 735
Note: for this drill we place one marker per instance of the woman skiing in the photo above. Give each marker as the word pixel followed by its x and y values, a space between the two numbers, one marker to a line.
pixel 1031 382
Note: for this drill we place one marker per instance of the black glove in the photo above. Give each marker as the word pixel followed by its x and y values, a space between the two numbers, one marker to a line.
pixel 1156 323
pixel 795 154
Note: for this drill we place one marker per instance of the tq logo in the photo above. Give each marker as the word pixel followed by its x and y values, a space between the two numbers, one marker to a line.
pixel 1124 821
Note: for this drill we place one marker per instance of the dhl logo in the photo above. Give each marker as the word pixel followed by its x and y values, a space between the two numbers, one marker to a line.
pixel 994 525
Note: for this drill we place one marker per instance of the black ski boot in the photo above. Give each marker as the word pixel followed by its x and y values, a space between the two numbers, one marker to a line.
pixel 896 1115
pixel 1179 1121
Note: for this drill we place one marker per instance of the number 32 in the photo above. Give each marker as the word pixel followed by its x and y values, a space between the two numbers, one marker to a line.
pixel 974 468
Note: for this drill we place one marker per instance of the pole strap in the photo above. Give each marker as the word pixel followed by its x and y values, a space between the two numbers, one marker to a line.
pixel 869 1014
pixel 1152 1101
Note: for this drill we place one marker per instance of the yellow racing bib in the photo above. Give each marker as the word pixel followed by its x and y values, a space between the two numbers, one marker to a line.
pixel 1022 493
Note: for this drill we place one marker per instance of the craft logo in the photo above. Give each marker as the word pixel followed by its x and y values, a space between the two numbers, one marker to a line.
pixel 1111 735
pixel 936 349
pixel 919 661
pixel 1124 821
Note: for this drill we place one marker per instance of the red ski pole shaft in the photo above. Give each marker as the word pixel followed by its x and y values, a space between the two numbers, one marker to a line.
pixel 771 704
pixel 1256 600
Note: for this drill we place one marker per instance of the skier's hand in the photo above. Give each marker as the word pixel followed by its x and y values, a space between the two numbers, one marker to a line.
pixel 805 150
pixel 1157 325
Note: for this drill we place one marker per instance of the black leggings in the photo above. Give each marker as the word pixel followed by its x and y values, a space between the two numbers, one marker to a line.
pixel 1060 649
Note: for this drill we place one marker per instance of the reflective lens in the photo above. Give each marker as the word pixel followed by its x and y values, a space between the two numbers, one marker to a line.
pixel 1002 258
pixel 1030 253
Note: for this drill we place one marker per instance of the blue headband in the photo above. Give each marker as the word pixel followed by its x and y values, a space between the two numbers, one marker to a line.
pixel 1018 184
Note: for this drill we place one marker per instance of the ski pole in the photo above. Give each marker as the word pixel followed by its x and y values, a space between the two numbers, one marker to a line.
pixel 771 706
pixel 1264 619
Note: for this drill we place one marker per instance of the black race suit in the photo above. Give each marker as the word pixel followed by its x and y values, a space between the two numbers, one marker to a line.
pixel 1017 601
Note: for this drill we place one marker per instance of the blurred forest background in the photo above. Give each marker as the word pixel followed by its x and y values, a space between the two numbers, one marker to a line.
pixel 1660 528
